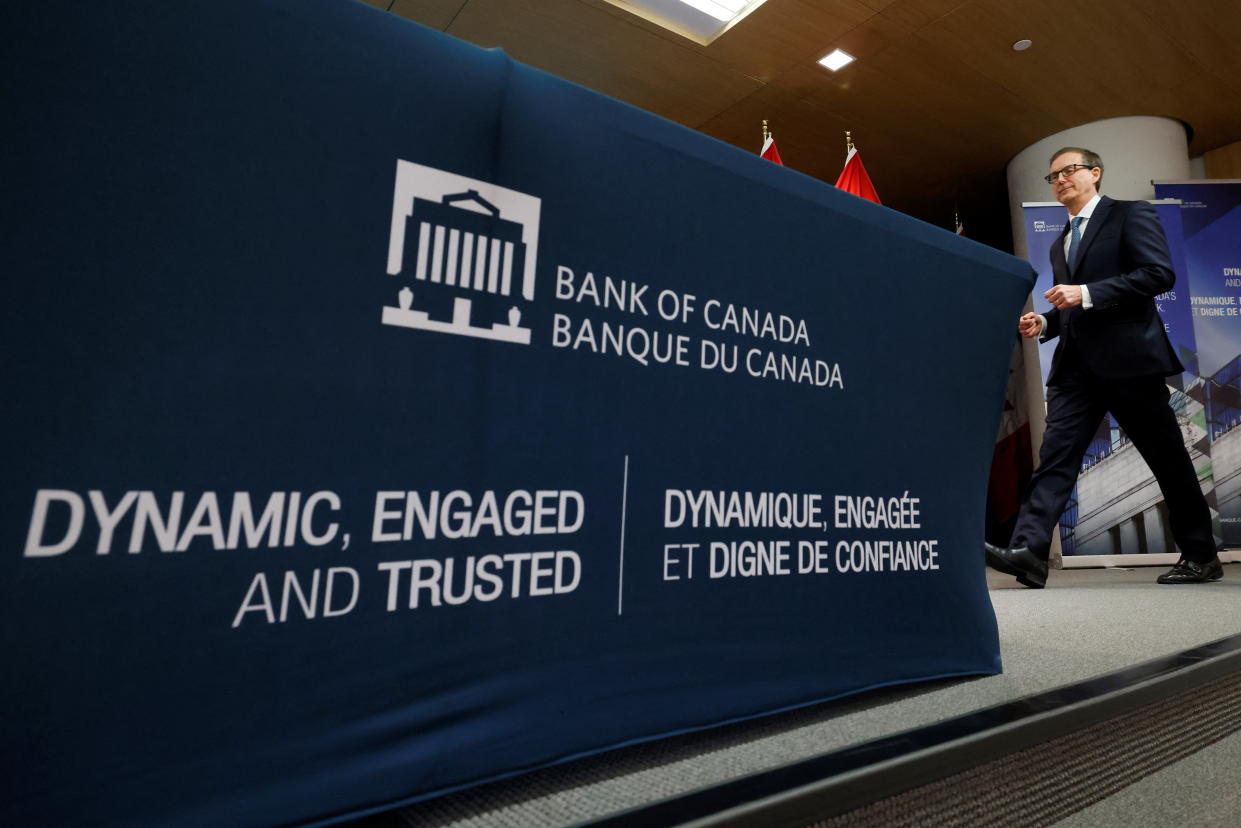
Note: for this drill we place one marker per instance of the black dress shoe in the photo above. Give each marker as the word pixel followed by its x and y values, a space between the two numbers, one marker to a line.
pixel 1029 568
pixel 1191 572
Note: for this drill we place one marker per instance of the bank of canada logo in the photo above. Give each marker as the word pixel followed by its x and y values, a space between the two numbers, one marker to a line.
pixel 1040 226
pixel 466 236
pixel 1043 227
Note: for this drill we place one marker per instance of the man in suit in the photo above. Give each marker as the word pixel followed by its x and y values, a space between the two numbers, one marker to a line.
pixel 1113 354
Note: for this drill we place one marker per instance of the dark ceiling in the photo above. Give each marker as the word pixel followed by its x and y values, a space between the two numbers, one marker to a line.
pixel 938 101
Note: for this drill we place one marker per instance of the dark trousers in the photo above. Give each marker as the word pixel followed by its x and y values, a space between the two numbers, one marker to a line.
pixel 1075 406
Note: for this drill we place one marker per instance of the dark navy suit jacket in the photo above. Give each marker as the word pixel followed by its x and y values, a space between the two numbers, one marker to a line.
pixel 1123 259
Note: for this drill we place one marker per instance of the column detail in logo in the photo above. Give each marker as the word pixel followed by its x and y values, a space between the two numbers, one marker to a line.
pixel 467 237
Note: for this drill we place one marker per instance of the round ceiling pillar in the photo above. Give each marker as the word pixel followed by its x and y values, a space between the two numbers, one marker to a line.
pixel 1136 150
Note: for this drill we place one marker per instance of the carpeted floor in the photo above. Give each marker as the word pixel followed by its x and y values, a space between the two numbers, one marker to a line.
pixel 1086 623
pixel 1200 790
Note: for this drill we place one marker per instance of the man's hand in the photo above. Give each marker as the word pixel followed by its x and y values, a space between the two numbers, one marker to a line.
pixel 1029 325
pixel 1064 296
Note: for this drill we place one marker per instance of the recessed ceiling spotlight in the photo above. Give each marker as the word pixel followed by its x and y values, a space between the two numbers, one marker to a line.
pixel 837 59
pixel 1022 45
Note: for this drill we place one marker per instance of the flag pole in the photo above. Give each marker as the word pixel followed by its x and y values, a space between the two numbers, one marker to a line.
pixel 848 141
pixel 765 132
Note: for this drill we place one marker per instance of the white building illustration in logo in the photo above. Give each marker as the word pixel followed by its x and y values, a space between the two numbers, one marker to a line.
pixel 465 234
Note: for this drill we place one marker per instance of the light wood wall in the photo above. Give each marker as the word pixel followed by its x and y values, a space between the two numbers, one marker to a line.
pixel 1224 162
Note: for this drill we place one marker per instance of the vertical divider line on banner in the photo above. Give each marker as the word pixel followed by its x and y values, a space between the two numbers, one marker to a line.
pixel 620 580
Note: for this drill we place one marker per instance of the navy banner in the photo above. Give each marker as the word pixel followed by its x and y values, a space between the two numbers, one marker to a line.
pixel 1211 213
pixel 386 416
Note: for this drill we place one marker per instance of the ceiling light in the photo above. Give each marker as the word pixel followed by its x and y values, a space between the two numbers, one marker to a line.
pixel 699 20
pixel 1022 45
pixel 837 59
pixel 723 10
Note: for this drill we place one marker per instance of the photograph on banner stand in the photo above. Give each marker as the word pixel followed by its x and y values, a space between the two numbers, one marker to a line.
pixel 1116 506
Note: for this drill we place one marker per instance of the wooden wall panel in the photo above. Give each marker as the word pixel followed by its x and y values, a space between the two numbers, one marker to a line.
pixel 587 45
pixel 1224 162
pixel 981 35
pixel 782 34
pixel 437 14
pixel 937 99
pixel 1209 32
pixel 912 15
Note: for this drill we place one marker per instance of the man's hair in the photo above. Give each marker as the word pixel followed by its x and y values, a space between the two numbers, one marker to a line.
pixel 1089 158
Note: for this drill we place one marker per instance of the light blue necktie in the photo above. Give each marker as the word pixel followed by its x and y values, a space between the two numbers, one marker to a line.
pixel 1075 239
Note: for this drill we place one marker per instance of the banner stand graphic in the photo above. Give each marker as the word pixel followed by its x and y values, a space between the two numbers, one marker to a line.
pixel 1210 212
pixel 1116 514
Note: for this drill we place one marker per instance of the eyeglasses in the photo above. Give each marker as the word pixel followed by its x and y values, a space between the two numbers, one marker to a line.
pixel 1065 172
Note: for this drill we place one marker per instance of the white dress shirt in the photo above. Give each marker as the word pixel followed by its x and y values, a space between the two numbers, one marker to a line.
pixel 1085 213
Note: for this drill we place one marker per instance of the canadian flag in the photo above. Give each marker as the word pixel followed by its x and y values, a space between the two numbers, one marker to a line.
pixel 769 150
pixel 853 178
pixel 1013 460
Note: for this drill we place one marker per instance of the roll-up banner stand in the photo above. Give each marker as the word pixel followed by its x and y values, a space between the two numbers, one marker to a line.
pixel 1116 513
pixel 1211 217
